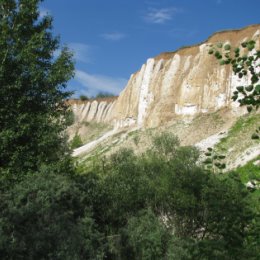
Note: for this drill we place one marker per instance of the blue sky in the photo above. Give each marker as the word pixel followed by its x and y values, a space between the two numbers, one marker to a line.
pixel 111 39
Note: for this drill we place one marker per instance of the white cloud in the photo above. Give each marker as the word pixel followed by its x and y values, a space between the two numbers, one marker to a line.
pixel 81 51
pixel 114 36
pixel 160 16
pixel 44 12
pixel 99 83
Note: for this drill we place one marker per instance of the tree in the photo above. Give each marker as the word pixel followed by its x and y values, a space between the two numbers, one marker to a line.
pixel 32 108
pixel 163 204
pixel 146 237
pixel 48 216
pixel 83 97
pixel 104 95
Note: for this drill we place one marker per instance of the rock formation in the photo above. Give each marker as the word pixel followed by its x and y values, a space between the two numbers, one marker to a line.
pixel 174 84
pixel 98 110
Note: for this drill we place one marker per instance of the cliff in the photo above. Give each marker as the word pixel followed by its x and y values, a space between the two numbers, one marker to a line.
pixel 98 110
pixel 176 84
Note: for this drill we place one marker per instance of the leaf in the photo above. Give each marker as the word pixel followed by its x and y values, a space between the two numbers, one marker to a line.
pixel 207 161
pixel 218 55
pixel 240 88
pixel 227 47
pixel 244 44
pixel 228 61
pixel 218 164
pixel 223 166
pixel 249 108
pixel 254 79
pixel 248 63
pixel 250 45
pixel 257 89
pixel 255 136
pixel 249 88
pixel 235 97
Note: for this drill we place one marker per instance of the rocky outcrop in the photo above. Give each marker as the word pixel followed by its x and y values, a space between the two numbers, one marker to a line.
pixel 174 84
pixel 98 110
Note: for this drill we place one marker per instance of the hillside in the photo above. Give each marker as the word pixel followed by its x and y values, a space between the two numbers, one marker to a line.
pixel 185 92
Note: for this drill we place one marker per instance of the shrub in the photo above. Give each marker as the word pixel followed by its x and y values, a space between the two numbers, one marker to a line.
pixel 76 142
pixel 83 97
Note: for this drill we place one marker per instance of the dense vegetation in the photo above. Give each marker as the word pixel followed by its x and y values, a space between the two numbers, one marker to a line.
pixel 158 205
pixel 32 112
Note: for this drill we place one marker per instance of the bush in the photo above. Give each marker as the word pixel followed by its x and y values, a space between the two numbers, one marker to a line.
pixel 146 236
pixel 49 218
pixel 76 142
pixel 152 206
pixel 83 97
pixel 207 216
pixel 104 95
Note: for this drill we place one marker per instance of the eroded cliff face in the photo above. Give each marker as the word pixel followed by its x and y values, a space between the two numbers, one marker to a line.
pixel 175 84
pixel 98 110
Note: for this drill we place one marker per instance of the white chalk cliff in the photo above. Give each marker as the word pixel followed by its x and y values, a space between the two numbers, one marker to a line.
pixel 174 84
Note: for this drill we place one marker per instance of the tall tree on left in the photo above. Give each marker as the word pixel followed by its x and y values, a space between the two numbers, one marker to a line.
pixel 32 89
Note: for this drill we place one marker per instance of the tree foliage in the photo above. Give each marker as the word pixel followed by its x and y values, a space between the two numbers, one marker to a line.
pixel 151 206
pixel 158 205
pixel 47 216
pixel 104 95
pixel 245 62
pixel 83 97
pixel 76 141
pixel 32 93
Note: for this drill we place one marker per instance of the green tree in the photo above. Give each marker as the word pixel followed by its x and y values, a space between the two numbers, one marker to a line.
pixel 48 216
pixel 32 108
pixel 146 237
pixel 163 204
pixel 83 97
pixel 104 95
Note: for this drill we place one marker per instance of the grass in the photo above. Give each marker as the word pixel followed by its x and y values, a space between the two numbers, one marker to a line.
pixel 236 142
pixel 239 135
pixel 249 171
pixel 94 130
